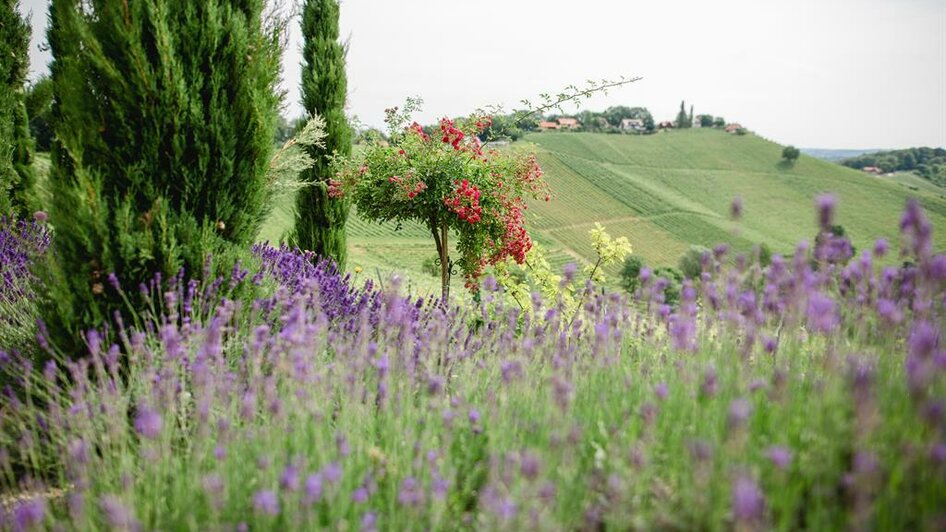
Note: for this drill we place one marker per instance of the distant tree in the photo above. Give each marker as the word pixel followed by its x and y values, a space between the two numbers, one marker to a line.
pixel 691 262
pixel 908 162
pixel 682 118
pixel 320 221
pixel 690 117
pixel 790 153
pixel 706 120
pixel 165 114
pixel 39 106
pixel 742 131
pixel 719 122
pixel 631 273
pixel 15 149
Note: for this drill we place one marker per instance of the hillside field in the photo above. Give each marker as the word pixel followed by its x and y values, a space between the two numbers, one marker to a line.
pixel 665 192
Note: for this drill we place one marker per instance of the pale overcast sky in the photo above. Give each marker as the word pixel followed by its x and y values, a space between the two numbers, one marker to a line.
pixel 813 73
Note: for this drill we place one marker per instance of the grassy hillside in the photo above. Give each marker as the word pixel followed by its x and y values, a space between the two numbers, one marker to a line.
pixel 668 191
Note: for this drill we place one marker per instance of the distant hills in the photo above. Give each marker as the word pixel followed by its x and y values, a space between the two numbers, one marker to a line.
pixel 835 155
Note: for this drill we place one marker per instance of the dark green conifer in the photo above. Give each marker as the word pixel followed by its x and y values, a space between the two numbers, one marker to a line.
pixel 320 221
pixel 164 115
pixel 15 152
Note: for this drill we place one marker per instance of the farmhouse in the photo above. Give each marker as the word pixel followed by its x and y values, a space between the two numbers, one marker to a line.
pixel 872 170
pixel 666 124
pixel 632 124
pixel 547 126
pixel 734 127
pixel 568 123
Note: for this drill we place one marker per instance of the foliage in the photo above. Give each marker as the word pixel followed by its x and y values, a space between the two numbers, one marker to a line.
pixel 928 163
pixel 39 106
pixel 14 147
pixel 293 159
pixel 706 120
pixel 720 122
pixel 631 273
pixel 162 155
pixel 320 219
pixel 691 262
pixel 22 193
pixel 790 153
pixel 537 275
pixel 449 184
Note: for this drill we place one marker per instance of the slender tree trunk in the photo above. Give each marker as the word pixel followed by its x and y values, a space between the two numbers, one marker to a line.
pixel 444 263
pixel 441 239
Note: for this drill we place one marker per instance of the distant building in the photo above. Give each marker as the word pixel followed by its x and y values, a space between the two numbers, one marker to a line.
pixel 568 123
pixel 872 170
pixel 547 126
pixel 665 125
pixel 696 122
pixel 632 124
pixel 732 128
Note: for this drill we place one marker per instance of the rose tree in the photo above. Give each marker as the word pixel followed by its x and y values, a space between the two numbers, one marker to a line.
pixel 449 182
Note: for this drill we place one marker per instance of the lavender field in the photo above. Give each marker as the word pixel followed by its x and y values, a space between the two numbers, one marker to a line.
pixel 807 394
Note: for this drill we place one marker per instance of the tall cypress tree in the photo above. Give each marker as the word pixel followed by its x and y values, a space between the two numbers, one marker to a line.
pixel 164 115
pixel 682 119
pixel 320 221
pixel 14 64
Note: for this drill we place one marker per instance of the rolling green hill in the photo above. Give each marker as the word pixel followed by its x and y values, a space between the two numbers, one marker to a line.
pixel 666 192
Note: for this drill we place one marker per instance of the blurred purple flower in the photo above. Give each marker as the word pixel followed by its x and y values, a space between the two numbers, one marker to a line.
pixel 748 502
pixel 780 456
pixel 148 422
pixel 266 502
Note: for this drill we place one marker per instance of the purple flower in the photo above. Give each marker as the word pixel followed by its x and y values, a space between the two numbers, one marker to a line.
pixel 40 216
pixel 530 465
pixel 332 472
pixel 117 515
pixel 780 456
pixel 313 488
pixel 360 495
pixel 822 314
pixel 924 339
pixel 826 204
pixel 661 390
pixel 411 493
pixel 739 411
pixel 748 503
pixel 148 422
pixel 289 480
pixel 881 246
pixel 29 513
pixel 369 521
pixel 474 416
pixel 266 502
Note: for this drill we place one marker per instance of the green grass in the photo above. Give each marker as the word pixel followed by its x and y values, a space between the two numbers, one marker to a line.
pixel 669 191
